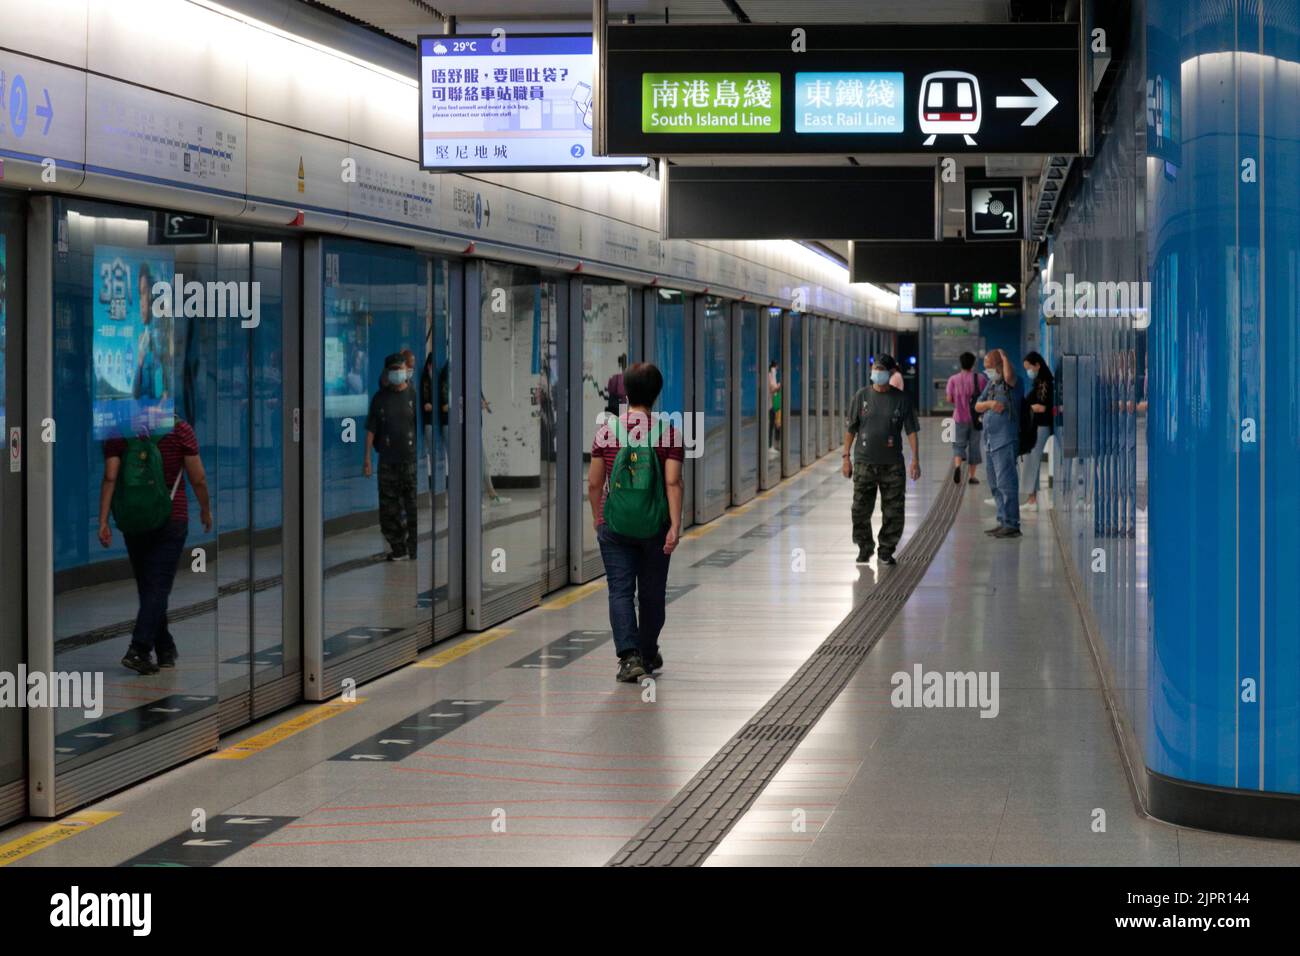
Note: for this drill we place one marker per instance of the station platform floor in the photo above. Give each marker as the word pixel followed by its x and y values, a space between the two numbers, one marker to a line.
pixel 517 747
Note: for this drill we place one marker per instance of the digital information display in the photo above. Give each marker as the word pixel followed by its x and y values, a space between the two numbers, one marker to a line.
pixel 132 349
pixel 894 88
pixel 508 103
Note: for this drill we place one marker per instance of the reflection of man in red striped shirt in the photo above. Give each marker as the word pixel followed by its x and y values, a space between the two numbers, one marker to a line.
pixel 155 554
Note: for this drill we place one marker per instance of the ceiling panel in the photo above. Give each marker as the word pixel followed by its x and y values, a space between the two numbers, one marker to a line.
pixel 408 18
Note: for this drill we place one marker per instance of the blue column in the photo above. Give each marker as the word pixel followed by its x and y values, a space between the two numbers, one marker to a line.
pixel 1224 419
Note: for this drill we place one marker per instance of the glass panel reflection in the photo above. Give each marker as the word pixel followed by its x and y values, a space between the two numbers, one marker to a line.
pixel 794 397
pixel 134 395
pixel 377 524
pixel 605 316
pixel 714 405
pixel 775 393
pixel 517 336
pixel 750 428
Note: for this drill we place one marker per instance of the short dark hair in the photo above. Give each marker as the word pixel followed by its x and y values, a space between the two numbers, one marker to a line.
pixel 642 382
pixel 967 360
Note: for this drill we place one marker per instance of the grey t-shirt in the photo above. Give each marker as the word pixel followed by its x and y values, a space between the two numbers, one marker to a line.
pixel 878 419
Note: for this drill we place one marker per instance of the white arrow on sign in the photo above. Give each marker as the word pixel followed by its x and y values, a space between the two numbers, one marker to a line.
pixel 1008 290
pixel 249 820
pixel 164 710
pixel 206 843
pixel 94 735
pixel 467 701
pixel 396 740
pixel 1041 102
pixel 367 757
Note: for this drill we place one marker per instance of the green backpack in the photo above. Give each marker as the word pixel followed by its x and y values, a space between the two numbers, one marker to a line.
pixel 140 499
pixel 637 503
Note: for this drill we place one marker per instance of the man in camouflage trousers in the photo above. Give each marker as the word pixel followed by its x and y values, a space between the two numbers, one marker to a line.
pixel 877 417
pixel 390 430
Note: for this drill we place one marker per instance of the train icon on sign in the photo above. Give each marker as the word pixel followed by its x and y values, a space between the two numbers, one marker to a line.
pixel 949 104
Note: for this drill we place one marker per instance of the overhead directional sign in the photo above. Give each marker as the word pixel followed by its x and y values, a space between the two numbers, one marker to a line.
pixel 983 293
pixel 951 260
pixel 799 202
pixel 897 88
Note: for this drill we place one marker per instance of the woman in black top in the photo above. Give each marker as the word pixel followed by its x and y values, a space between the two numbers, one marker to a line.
pixel 1041 392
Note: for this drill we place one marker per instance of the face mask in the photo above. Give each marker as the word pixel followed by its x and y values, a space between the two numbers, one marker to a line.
pixel 1032 373
pixel 993 374
pixel 396 376
pixel 879 378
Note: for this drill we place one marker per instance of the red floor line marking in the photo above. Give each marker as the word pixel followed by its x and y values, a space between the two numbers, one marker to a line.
pixel 508 802
pixel 423 820
pixel 457 836
pixel 545 766
pixel 533 780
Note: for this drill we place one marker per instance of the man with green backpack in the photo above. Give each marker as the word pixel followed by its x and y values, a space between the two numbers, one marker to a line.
pixel 142 487
pixel 638 517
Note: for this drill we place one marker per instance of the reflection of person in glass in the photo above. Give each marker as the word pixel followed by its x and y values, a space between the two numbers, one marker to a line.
pixel 390 430
pixel 154 554
pixel 356 377
pixel 426 412
pixel 489 489
pixel 615 392
pixel 773 413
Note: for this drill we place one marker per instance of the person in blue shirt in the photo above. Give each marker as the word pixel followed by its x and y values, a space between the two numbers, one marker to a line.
pixel 999 404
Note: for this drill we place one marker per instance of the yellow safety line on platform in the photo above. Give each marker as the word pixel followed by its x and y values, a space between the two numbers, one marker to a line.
pixel 444 658
pixel 573 596
pixel 269 738
pixel 38 840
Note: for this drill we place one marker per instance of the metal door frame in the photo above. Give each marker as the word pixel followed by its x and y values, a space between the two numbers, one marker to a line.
pixel 453 622
pixel 700 374
pixel 13 569
pixel 740 494
pixel 765 478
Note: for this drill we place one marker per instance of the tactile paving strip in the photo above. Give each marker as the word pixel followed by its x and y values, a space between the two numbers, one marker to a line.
pixel 694 822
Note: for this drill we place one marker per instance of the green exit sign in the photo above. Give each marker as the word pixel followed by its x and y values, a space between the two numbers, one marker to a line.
pixel 710 102
pixel 985 292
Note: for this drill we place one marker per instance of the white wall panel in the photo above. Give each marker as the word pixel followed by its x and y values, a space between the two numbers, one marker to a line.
pixel 296 85
pixel 184 48
pixel 54 29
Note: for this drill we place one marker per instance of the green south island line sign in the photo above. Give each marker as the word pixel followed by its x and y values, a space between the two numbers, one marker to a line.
pixel 711 102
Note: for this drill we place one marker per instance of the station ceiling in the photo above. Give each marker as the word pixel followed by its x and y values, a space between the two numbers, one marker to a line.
pixel 405 20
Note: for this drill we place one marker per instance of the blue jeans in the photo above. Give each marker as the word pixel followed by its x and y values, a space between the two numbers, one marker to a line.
pixel 966 442
pixel 635 566
pixel 1004 483
pixel 154 556
pixel 1033 465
